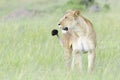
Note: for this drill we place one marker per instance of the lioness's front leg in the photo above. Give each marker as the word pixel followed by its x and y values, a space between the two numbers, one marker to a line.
pixel 68 58
pixel 77 60
pixel 91 60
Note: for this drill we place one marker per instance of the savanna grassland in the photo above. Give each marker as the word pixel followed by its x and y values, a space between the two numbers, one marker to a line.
pixel 29 52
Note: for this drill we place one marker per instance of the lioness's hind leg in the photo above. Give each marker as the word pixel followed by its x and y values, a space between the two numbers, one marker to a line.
pixel 91 60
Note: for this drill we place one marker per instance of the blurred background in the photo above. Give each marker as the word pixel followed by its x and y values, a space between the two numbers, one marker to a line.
pixel 29 52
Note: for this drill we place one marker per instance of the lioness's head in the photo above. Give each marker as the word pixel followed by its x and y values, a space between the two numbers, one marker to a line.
pixel 68 20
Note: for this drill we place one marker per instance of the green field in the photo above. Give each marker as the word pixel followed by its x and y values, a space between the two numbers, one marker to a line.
pixel 29 52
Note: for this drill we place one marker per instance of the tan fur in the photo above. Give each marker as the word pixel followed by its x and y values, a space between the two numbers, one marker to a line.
pixel 79 37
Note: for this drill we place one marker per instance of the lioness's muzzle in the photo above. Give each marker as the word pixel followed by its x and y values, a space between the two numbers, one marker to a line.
pixel 66 28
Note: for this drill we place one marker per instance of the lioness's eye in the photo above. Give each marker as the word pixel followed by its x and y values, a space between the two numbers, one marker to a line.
pixel 65 17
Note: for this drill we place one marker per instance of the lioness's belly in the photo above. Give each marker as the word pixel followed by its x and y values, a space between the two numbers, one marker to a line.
pixel 82 44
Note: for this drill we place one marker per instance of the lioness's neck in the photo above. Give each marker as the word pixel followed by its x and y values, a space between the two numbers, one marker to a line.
pixel 81 28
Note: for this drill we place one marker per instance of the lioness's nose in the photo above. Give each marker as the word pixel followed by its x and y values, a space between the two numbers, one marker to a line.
pixel 59 24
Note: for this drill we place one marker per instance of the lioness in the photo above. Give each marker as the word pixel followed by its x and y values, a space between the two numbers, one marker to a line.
pixel 78 36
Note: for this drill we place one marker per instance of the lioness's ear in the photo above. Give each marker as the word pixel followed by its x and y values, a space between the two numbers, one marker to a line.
pixel 76 12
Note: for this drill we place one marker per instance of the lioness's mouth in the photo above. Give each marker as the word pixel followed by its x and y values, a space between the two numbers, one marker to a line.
pixel 65 28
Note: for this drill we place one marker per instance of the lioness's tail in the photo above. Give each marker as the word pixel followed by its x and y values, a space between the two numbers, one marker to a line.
pixel 55 32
